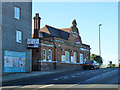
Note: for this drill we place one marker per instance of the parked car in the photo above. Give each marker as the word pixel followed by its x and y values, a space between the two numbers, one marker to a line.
pixel 92 64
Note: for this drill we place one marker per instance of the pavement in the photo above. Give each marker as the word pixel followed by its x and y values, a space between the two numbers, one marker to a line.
pixel 16 76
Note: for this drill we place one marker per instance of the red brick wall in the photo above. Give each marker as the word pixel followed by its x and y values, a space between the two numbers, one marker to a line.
pixel 59 51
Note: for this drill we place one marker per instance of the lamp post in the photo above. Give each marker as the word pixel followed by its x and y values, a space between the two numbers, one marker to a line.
pixel 99 40
pixel 119 63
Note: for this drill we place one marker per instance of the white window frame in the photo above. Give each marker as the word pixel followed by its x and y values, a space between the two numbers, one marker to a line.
pixel 63 58
pixel 18 36
pixel 44 55
pixel 50 55
pixel 67 56
pixel 17 12
pixel 75 57
pixel 72 59
pixel 81 58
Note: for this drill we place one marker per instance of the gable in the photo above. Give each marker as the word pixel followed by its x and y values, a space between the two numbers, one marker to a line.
pixel 45 30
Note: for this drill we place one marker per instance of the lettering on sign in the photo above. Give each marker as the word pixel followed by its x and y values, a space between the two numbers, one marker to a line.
pixel 33 41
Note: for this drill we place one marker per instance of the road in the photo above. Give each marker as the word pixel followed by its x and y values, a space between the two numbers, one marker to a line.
pixel 99 78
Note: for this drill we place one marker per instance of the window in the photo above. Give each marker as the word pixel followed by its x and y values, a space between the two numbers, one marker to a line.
pixel 50 55
pixel 67 56
pixel 18 36
pixel 87 57
pixel 72 59
pixel 63 58
pixel 81 58
pixel 75 57
pixel 44 54
pixel 17 12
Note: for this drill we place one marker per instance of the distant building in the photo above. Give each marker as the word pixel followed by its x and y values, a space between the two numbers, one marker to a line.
pixel 16 28
pixel 58 48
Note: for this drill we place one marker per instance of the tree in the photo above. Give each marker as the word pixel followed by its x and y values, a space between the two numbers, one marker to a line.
pixel 92 56
pixel 96 58
pixel 111 65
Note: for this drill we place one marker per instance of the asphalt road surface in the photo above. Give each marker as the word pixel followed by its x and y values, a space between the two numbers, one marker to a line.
pixel 99 78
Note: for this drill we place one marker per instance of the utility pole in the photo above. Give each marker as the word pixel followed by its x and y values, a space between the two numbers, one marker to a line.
pixel 99 41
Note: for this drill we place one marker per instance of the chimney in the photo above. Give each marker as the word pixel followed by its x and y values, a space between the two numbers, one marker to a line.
pixel 36 25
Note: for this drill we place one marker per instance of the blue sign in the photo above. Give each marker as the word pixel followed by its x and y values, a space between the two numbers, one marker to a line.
pixel 14 61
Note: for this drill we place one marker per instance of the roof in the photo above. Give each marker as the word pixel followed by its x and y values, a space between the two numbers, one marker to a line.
pixel 45 30
pixel 66 29
pixel 49 31
pixel 86 45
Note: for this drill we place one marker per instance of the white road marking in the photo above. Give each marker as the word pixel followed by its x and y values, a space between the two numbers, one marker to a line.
pixel 82 72
pixel 73 76
pixel 99 76
pixel 11 86
pixel 78 73
pixel 57 78
pixel 65 77
pixel 34 84
pixel 71 85
pixel 46 86
pixel 44 82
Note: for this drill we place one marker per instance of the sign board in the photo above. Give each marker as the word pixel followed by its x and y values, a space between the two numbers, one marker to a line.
pixel 77 40
pixel 14 61
pixel 30 46
pixel 32 43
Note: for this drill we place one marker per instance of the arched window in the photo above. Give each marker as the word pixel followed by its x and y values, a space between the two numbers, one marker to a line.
pixel 50 55
pixel 44 54
pixel 75 57
pixel 81 58
pixel 67 56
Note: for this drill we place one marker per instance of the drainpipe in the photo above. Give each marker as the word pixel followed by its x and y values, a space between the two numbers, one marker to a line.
pixel 54 53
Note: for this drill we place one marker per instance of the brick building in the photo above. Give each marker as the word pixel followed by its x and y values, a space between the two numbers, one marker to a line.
pixel 58 48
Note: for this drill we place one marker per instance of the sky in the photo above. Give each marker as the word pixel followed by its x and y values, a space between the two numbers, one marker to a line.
pixel 88 16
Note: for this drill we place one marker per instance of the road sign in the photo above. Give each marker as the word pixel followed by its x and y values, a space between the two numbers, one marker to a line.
pixel 32 43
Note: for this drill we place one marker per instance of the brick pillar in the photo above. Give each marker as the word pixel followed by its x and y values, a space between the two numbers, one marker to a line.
pixel 36 25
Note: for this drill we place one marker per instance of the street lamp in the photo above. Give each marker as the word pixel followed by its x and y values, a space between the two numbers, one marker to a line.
pixel 99 40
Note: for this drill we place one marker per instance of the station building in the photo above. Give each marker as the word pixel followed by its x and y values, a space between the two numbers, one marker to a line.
pixel 58 48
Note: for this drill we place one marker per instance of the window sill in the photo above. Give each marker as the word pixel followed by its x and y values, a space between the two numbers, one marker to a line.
pixel 71 63
pixel 47 61
pixel 65 62
pixel 19 42
pixel 17 18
